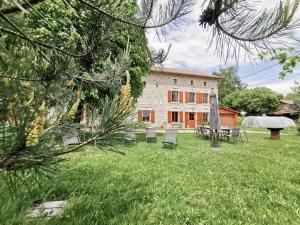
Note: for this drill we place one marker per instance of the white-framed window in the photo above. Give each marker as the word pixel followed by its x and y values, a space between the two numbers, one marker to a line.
pixel 174 81
pixel 205 83
pixel 175 117
pixel 192 82
pixel 192 97
pixel 191 116
pixel 205 98
pixel 146 115
pixel 175 96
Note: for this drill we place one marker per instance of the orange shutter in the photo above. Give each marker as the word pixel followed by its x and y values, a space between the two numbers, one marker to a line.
pixel 181 117
pixel 169 96
pixel 169 117
pixel 199 118
pixel 186 119
pixel 186 97
pixel 180 96
pixel 152 116
pixel 140 116
pixel 198 98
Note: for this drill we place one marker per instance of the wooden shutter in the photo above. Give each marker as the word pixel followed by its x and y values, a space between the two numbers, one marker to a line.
pixel 169 117
pixel 186 119
pixel 169 96
pixel 140 116
pixel 199 118
pixel 181 117
pixel 180 96
pixel 152 116
pixel 198 98
pixel 186 97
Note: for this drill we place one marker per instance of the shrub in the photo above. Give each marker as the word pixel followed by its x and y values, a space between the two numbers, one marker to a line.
pixel 298 125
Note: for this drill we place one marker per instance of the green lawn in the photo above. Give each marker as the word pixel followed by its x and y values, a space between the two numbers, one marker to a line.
pixel 254 183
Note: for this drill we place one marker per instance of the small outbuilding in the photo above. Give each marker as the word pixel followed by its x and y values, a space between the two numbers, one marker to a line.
pixel 229 117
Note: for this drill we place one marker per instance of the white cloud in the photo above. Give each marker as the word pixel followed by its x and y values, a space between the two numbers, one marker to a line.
pixel 282 86
pixel 190 43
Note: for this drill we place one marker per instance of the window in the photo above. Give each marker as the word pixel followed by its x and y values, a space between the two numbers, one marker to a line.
pixel 191 116
pixel 175 81
pixel 205 83
pixel 192 82
pixel 175 117
pixel 205 117
pixel 192 97
pixel 175 96
pixel 146 115
pixel 205 98
pixel 157 85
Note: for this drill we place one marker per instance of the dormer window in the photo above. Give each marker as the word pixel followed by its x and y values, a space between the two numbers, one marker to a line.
pixel 175 81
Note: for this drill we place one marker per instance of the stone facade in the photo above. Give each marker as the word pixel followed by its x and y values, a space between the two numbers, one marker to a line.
pixel 156 100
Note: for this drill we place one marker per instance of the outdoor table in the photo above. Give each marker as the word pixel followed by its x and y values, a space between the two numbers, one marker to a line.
pixel 275 133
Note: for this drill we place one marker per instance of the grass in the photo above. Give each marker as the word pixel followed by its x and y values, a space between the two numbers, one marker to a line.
pixel 254 183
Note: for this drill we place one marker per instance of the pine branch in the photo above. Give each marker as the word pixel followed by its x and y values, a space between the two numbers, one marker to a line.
pixel 35 42
pixel 19 8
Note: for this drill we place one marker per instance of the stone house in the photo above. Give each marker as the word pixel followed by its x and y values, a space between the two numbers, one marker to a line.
pixel 176 98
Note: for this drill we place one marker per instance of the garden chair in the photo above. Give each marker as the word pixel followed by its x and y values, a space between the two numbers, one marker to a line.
pixel 197 131
pixel 129 136
pixel 235 135
pixel 204 133
pixel 71 137
pixel 170 138
pixel 151 134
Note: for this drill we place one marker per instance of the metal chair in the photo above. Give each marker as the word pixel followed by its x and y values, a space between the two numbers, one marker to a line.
pixel 204 133
pixel 151 134
pixel 235 135
pixel 129 136
pixel 170 137
pixel 71 137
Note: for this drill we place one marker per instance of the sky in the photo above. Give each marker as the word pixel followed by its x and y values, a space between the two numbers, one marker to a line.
pixel 189 50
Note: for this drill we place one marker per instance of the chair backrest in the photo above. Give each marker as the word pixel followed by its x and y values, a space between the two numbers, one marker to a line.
pixel 150 132
pixel 199 128
pixel 71 137
pixel 170 135
pixel 235 131
pixel 129 134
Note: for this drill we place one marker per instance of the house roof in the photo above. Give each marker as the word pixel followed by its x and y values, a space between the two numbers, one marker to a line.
pixel 228 109
pixel 283 112
pixel 287 101
pixel 182 72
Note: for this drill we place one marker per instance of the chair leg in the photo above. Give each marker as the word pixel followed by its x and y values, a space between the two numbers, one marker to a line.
pixel 246 135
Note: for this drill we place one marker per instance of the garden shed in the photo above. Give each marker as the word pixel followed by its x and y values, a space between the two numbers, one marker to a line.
pixel 229 117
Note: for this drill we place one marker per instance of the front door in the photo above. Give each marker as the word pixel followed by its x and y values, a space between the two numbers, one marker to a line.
pixel 192 120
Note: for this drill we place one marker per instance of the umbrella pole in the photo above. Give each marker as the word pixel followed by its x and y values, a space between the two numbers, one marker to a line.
pixel 214 139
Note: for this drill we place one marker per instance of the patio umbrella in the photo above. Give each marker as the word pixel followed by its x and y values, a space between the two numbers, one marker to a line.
pixel 214 119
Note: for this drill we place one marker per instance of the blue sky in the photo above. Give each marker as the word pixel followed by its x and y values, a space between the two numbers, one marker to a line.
pixel 190 51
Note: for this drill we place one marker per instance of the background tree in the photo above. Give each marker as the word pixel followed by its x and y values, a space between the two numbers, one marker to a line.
pixel 289 58
pixel 254 101
pixel 295 95
pixel 229 83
